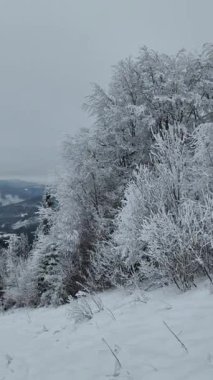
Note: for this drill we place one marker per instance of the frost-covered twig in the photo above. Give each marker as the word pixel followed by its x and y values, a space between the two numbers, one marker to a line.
pixel 80 310
pixel 93 296
pixel 201 263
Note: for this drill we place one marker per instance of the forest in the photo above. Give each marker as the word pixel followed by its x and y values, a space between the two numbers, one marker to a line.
pixel 132 201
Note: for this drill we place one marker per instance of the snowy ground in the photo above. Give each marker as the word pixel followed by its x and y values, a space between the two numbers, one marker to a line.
pixel 46 344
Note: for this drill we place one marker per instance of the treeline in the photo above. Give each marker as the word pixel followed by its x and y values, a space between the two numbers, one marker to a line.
pixel 133 199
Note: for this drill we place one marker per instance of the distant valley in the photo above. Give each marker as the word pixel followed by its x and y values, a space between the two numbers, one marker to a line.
pixel 19 202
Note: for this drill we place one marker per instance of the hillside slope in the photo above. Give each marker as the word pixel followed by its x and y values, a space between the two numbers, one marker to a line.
pixel 46 344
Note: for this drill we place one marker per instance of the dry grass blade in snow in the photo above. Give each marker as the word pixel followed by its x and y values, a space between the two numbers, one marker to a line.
pixel 176 337
pixel 118 365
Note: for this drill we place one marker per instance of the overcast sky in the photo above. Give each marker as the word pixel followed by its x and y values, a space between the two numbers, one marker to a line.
pixel 51 51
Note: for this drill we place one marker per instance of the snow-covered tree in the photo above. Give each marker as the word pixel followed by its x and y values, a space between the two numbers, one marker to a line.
pixel 147 97
pixel 164 226
pixel 44 269
pixel 15 255
pixel 2 273
pixel 135 185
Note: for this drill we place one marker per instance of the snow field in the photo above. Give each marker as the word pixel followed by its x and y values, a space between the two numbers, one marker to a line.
pixel 128 339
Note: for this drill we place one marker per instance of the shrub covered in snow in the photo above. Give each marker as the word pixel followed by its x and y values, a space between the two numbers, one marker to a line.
pixel 165 225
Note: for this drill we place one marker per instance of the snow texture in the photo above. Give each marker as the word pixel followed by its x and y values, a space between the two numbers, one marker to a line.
pixel 128 339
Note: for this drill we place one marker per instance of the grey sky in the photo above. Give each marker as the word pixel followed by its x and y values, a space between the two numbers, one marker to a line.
pixel 51 50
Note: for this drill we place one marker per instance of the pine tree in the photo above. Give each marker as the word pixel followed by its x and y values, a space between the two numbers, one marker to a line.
pixel 45 262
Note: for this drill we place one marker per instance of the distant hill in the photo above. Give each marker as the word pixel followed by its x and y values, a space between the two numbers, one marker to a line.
pixel 19 202
pixel 14 191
